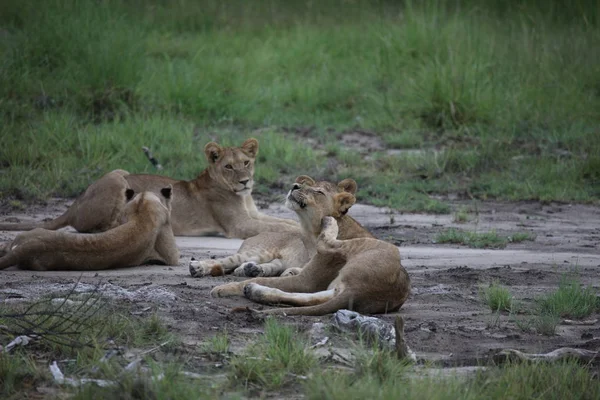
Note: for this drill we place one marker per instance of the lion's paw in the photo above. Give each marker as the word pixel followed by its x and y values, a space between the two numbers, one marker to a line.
pixel 228 289
pixel 198 269
pixel 326 222
pixel 252 269
pixel 252 292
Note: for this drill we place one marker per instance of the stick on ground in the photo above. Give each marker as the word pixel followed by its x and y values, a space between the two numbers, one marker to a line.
pixel 151 158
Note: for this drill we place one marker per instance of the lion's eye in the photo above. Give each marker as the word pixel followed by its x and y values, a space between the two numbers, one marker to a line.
pixel 319 192
pixel 228 166
pixel 246 163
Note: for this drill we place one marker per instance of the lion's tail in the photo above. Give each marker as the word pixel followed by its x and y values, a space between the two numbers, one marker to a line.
pixel 341 301
pixel 56 223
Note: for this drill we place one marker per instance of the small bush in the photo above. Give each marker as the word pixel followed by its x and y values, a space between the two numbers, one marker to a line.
pixel 571 300
pixel 497 297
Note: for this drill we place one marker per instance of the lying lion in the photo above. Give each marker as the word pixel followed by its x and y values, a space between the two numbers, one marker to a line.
pixel 145 237
pixel 219 200
pixel 350 269
pixel 273 254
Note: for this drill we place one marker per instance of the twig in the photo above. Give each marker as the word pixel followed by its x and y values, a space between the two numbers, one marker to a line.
pixel 151 158
pixel 586 356
pixel 575 322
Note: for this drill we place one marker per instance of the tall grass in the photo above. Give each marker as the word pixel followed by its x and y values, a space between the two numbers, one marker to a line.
pixel 509 89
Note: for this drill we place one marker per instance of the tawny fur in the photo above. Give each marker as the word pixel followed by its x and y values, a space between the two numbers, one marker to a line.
pixel 273 254
pixel 218 201
pixel 350 269
pixel 98 209
pixel 146 236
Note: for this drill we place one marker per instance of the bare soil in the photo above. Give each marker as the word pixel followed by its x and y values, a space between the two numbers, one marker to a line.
pixel 445 319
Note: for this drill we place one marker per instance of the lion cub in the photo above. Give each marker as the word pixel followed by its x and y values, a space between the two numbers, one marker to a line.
pixel 145 236
pixel 273 254
pixel 350 269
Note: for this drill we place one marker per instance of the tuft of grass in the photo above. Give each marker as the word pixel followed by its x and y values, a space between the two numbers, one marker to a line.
pixel 518 381
pixel 497 297
pixel 19 373
pixel 545 323
pixel 274 360
pixel 480 240
pixel 461 216
pixel 219 344
pixel 519 237
pixel 571 300
pixel 472 239
pixel 380 364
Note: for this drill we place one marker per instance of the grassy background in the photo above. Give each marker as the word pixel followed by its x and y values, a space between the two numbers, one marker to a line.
pixel 502 98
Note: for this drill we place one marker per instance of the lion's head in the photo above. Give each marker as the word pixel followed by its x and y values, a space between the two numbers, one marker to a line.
pixel 314 200
pixel 153 206
pixel 232 168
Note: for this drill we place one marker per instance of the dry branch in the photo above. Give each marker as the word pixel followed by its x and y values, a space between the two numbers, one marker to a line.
pixel 151 158
pixel 582 355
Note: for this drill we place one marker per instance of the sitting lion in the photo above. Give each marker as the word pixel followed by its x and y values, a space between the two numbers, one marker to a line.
pixel 218 201
pixel 273 254
pixel 350 269
pixel 145 236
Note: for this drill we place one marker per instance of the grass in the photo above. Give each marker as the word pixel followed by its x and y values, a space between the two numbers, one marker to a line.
pixel 274 364
pixel 571 300
pixel 480 240
pixel 497 297
pixel 525 381
pixel 274 360
pixel 218 344
pixel 499 100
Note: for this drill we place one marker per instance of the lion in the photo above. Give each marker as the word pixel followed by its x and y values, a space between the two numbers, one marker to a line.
pixel 145 236
pixel 218 201
pixel 274 254
pixel 350 269
pixel 98 209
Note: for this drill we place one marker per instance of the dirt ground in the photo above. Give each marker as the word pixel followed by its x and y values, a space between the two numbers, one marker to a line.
pixel 445 319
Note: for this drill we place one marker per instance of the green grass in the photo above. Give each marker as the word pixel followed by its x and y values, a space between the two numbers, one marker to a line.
pixel 218 344
pixel 497 297
pixel 571 300
pixel 502 98
pixel 480 240
pixel 526 381
pixel 274 360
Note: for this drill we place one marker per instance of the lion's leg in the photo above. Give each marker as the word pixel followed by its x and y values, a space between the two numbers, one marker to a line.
pixel 266 295
pixel 291 271
pixel 253 269
pixel 327 241
pixel 222 266
pixel 297 283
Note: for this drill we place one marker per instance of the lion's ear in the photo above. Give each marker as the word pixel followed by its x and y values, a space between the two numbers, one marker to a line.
pixel 343 202
pixel 305 180
pixel 213 152
pixel 129 193
pixel 347 185
pixel 167 191
pixel 250 147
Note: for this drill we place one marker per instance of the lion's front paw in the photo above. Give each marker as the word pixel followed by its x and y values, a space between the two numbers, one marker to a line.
pixel 252 269
pixel 228 289
pixel 326 222
pixel 252 292
pixel 198 269
pixel 291 271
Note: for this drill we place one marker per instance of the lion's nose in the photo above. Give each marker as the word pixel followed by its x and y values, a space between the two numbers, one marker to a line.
pixel 245 181
pixel 296 186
